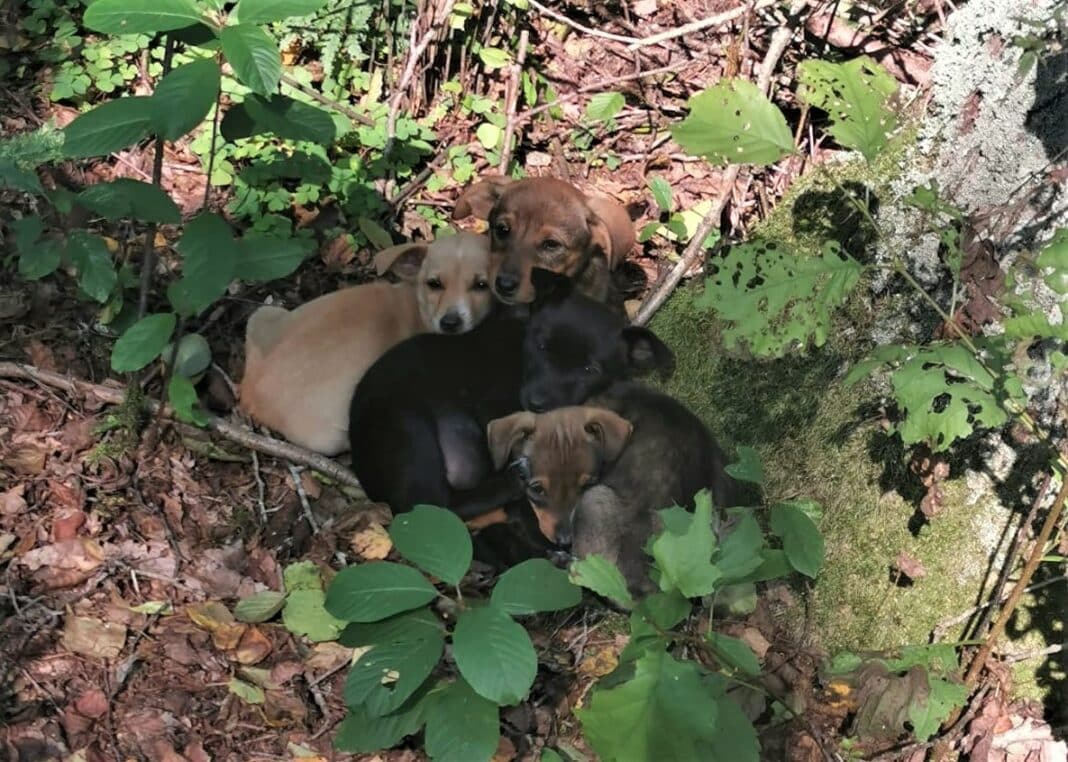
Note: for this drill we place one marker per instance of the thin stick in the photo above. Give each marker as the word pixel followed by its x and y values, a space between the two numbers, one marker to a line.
pixel 697 26
pixel 695 248
pixel 341 108
pixel 304 504
pixel 235 433
pixel 511 97
pixel 581 27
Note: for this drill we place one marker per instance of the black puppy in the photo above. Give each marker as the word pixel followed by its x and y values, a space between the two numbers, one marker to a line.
pixel 418 418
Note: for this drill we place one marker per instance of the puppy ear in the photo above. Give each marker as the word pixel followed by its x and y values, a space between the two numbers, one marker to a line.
pixel 609 431
pixel 618 228
pixel 549 287
pixel 480 198
pixel 403 260
pixel 504 434
pixel 646 353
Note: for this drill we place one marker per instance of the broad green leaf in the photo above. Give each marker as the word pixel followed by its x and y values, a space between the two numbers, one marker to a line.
pixel 927 715
pixel 597 573
pixel 662 194
pixel 489 135
pixel 400 659
pixel 1035 324
pixel 665 610
pixel 773 565
pixel 194 355
pixel 40 258
pixel 665 712
pixel 494 654
pixel 360 733
pixel 461 726
pixel 262 256
pixel 371 592
pixel 685 559
pixel 209 260
pixel 939 657
pixel 494 58
pixel 739 553
pixel 1055 256
pixel 891 353
pixel 281 115
pixel 259 607
pixel 130 198
pixel 254 56
pixel 375 233
pixel 533 586
pixel 109 127
pixel 734 123
pixel 305 614
pixel 247 692
pixel 90 256
pixel 142 342
pixel 737 740
pixel 774 300
pixel 183 398
pixel 265 11
pixel 734 653
pixel 801 538
pixel 140 16
pixel 360 634
pixel 184 97
pixel 302 575
pixel 435 540
pixel 854 95
pixel 604 106
pixel 748 468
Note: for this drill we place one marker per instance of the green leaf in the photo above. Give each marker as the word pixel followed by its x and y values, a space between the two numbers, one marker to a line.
pixel 739 553
pixel 400 659
pixel 262 256
pixel 734 653
pixel 305 614
pixel 854 95
pixel 194 355
pixel 254 56
pixel 96 272
pixel 665 712
pixel 371 592
pixel 247 692
pixel 661 190
pixel 461 726
pixel 434 539
pixel 927 715
pixel 124 197
pixel 209 260
pixel 665 610
pixel 494 654
pixel 360 634
pixel 549 755
pixel 685 559
pixel 375 233
pixel 773 299
pixel 360 733
pixel 281 115
pixel 109 127
pixel 597 573
pixel 259 607
pixel 1055 256
pixel 265 11
pixel 183 398
pixel 604 106
pixel 1035 324
pixel 733 122
pixel 748 468
pixel 142 342
pixel 494 58
pixel 801 538
pixel 302 575
pixel 140 16
pixel 184 97
pixel 489 135
pixel 533 586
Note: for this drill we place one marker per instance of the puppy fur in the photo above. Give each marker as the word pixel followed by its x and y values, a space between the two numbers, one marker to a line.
pixel 548 223
pixel 302 366
pixel 418 418
pixel 595 475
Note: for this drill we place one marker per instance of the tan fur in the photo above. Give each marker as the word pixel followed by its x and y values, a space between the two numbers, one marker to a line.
pixel 595 233
pixel 301 367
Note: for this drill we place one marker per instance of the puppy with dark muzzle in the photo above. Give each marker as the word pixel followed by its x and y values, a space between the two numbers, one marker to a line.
pixel 596 475
pixel 418 418
pixel 548 223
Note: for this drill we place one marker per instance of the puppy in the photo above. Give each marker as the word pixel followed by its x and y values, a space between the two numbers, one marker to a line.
pixel 418 417
pixel 301 367
pixel 596 475
pixel 547 223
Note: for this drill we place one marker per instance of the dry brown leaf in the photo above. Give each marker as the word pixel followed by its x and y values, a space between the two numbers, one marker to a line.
pixel 209 615
pixel 280 709
pixel 253 647
pixel 910 566
pixel 338 253
pixel 325 657
pixel 63 564
pixel 372 543
pixel 40 355
pixel 753 638
pixel 66 524
pixel 226 637
pixel 26 460
pixel 644 7
pixel 93 637
pixel 12 501
pixel 599 663
pixel 93 703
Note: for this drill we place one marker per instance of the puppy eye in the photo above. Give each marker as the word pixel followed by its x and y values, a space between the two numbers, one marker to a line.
pixel 592 369
pixel 551 244
pixel 501 229
pixel 481 284
pixel 435 284
pixel 536 490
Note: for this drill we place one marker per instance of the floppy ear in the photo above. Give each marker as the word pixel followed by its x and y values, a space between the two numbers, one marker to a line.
pixel 610 431
pixel 480 198
pixel 403 260
pixel 646 353
pixel 503 434
pixel 549 287
pixel 618 228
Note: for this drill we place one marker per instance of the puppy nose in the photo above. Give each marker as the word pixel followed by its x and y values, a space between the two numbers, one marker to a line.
pixel 507 283
pixel 563 536
pixel 535 403
pixel 450 322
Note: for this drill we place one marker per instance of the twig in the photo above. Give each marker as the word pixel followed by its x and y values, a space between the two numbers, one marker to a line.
pixel 235 433
pixel 260 488
pixel 581 27
pixel 511 97
pixel 696 26
pixel 1056 648
pixel 304 504
pixel 942 627
pixel 341 108
pixel 694 249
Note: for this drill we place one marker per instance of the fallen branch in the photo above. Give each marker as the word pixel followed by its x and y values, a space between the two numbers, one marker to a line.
pixel 341 108
pixel 582 27
pixel 697 26
pixel 234 432
pixel 695 248
pixel 511 98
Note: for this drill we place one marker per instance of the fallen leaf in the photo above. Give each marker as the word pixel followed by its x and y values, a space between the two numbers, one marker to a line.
pixel 326 657
pixel 40 355
pixel 338 253
pixel 26 460
pixel 755 639
pixel 253 647
pixel 644 8
pixel 209 615
pixel 93 637
pixel 599 663
pixel 66 524
pixel 63 564
pixel 12 501
pixel 372 543
pixel 281 709
pixel 909 566
pixel 93 703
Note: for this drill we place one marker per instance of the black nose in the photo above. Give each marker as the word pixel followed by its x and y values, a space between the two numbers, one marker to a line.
pixel 450 322
pixel 507 283
pixel 536 404
pixel 563 536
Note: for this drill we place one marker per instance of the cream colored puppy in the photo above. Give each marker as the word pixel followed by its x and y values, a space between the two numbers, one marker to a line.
pixel 302 366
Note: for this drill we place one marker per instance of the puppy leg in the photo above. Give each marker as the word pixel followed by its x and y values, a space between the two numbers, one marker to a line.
pixel 606 524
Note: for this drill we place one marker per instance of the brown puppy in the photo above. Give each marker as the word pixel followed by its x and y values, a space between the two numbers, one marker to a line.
pixel 301 367
pixel 548 223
